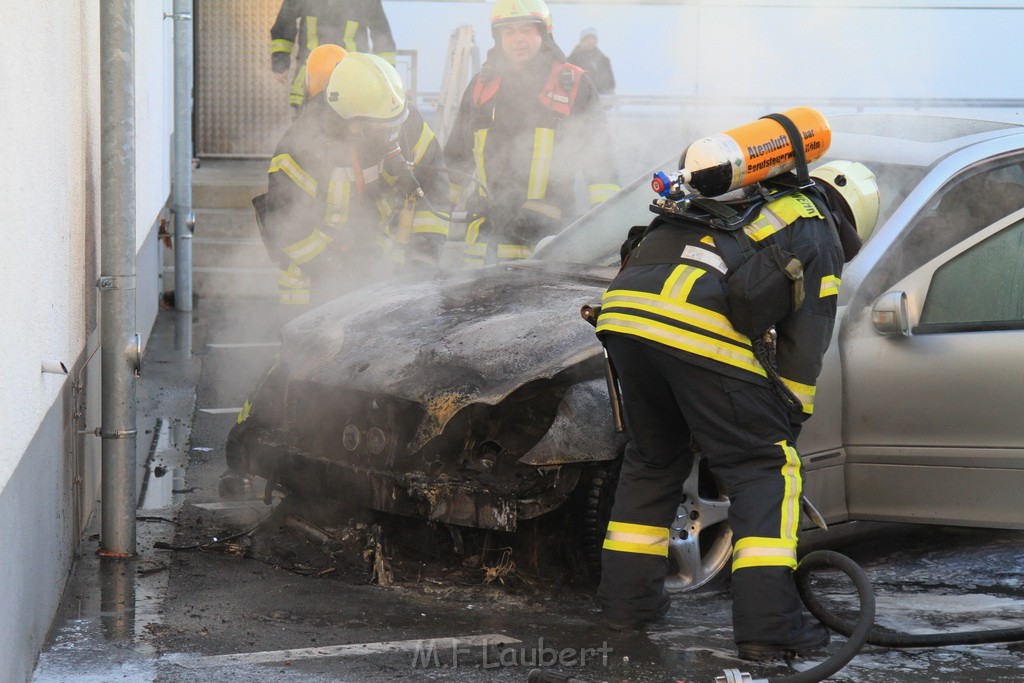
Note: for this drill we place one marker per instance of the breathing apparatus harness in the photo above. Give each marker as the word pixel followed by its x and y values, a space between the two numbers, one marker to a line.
pixel 728 220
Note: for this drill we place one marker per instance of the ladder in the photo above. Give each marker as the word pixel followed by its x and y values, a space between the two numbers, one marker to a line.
pixel 461 63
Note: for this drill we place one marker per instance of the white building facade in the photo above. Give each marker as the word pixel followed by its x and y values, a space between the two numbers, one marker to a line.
pixel 49 251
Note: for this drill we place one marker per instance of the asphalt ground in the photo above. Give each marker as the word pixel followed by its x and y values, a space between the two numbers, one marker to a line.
pixel 260 606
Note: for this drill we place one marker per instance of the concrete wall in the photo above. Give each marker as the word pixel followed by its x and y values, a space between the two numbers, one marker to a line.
pixel 49 262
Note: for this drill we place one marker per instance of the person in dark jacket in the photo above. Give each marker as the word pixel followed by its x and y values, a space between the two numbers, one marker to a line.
pixel 341 207
pixel 528 123
pixel 588 56
pixel 697 376
pixel 302 25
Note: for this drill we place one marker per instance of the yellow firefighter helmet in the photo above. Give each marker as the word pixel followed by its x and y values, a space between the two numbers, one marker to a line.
pixel 855 183
pixel 365 86
pixel 514 11
pixel 320 65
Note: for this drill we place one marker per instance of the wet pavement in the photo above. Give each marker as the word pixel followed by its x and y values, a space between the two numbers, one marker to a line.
pixel 224 612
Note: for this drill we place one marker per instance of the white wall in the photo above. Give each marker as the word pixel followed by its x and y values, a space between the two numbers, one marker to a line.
pixel 827 48
pixel 52 145
pixel 740 59
pixel 49 260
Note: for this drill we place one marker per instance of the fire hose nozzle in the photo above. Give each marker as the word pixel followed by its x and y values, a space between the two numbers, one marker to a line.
pixel 737 676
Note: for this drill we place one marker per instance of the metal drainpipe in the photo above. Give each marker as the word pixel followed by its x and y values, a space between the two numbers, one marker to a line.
pixel 184 219
pixel 119 340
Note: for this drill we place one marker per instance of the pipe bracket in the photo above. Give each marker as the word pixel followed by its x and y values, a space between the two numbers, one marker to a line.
pixel 120 434
pixel 109 282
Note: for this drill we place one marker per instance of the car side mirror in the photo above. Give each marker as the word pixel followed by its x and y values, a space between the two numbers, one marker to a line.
pixel 889 314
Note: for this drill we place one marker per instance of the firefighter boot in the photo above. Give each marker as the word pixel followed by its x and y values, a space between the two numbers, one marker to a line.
pixel 636 623
pixel 813 637
pixel 768 617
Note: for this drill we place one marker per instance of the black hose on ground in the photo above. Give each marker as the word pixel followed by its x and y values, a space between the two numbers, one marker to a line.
pixel 857 635
pixel 896 639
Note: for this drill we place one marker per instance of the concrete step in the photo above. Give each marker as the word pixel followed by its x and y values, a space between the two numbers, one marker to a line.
pixel 226 222
pixel 230 282
pixel 228 183
pixel 225 251
pixel 235 194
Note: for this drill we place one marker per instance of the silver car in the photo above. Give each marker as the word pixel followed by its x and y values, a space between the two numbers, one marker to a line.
pixel 478 402
pixel 922 393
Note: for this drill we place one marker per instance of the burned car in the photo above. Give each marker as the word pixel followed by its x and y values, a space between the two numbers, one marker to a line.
pixel 477 400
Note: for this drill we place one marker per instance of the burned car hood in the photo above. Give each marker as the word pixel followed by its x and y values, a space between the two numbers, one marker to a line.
pixel 459 339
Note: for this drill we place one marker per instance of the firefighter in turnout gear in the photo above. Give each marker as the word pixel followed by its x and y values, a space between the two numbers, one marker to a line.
pixel 302 25
pixel 527 124
pixel 717 332
pixel 351 186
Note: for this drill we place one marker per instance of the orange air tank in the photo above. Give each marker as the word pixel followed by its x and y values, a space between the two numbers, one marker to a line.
pixel 748 154
pixel 320 65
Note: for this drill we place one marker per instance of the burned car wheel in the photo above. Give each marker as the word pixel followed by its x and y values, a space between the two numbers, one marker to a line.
pixel 700 541
pixel 599 490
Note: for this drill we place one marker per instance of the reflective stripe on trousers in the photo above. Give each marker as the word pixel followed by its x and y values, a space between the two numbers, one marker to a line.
pixel 636 538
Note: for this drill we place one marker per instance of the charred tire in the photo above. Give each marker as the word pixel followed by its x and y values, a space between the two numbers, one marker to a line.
pixel 700 540
pixel 599 495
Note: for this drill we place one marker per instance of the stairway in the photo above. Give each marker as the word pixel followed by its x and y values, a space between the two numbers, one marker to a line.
pixel 228 257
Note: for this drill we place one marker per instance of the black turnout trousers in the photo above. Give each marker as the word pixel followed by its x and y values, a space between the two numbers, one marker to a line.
pixel 744 432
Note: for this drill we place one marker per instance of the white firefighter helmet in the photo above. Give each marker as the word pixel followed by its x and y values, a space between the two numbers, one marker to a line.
pixel 365 86
pixel 515 11
pixel 855 183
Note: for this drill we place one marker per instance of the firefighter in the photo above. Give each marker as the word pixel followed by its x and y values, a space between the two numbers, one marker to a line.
pixel 695 379
pixel 302 25
pixel 352 184
pixel 527 124
pixel 589 56
pixel 420 233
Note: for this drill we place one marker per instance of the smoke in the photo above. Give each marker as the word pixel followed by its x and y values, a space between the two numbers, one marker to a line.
pixel 687 70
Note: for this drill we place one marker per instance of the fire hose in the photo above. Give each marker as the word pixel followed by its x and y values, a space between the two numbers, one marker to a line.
pixel 858 633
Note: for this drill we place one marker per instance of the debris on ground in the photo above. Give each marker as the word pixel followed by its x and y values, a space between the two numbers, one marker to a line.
pixel 374 555
pixel 505 567
pixel 360 547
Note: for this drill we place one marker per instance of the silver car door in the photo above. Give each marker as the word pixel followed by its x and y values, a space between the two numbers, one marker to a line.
pixel 933 417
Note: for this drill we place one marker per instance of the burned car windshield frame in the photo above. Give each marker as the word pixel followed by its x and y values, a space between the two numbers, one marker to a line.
pixel 595 238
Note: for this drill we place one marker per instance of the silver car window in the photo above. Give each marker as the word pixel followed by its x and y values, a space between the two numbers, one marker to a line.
pixel 970 201
pixel 979 289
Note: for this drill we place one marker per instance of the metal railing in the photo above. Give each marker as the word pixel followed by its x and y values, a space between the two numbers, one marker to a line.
pixel 426 100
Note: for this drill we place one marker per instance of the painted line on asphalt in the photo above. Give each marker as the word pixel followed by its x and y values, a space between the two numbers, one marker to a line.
pixel 221 411
pixel 243 345
pixel 425 646
pixel 232 505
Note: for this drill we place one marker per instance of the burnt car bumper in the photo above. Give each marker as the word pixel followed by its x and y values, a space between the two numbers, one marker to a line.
pixel 499 501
